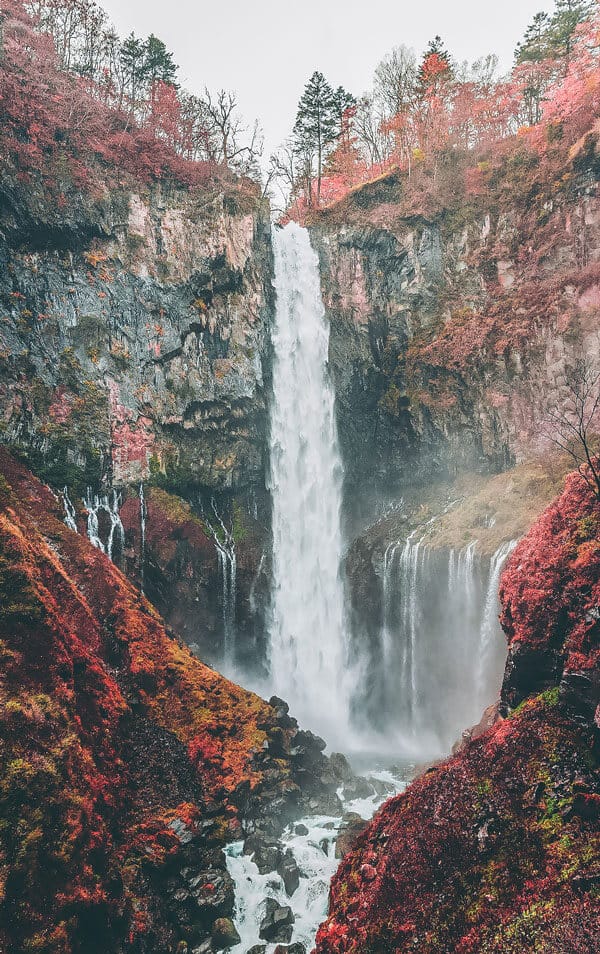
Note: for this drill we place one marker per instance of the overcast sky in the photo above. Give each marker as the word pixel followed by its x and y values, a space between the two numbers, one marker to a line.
pixel 267 49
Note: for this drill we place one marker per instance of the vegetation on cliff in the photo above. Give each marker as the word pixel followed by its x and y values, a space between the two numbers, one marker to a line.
pixel 496 850
pixel 124 758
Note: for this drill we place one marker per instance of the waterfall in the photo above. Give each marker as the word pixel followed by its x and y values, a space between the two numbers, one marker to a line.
pixel 70 512
pixel 143 516
pixel 224 542
pixel 307 624
pixel 441 648
pixel 109 505
pixel 489 623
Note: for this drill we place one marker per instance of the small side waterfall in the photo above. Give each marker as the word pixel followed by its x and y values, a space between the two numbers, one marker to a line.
pixel 441 649
pixel 70 512
pixel 143 518
pixel 224 542
pixel 107 504
pixel 489 625
pixel 307 629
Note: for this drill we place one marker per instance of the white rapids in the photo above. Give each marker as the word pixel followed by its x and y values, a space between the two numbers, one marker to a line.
pixel 308 652
pixel 315 855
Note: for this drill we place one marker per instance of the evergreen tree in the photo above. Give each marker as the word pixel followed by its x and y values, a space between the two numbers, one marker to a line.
pixel 132 56
pixel 435 68
pixel 317 124
pixel 568 15
pixel 159 65
pixel 551 37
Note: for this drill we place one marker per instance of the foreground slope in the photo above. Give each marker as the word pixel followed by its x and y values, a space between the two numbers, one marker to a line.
pixel 496 850
pixel 124 762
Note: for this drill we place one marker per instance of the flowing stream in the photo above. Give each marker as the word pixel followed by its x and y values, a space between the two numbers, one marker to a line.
pixel 312 842
pixel 308 657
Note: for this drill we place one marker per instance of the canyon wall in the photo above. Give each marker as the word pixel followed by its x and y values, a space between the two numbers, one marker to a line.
pixel 134 349
pixel 454 316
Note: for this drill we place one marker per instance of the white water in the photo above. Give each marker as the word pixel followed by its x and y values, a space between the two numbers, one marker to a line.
pixel 225 546
pixel 308 659
pixel 489 625
pixel 70 513
pixel 317 863
pixel 442 648
pixel 108 504
pixel 143 517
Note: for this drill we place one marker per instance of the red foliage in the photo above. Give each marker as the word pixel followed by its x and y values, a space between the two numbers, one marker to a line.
pixel 52 124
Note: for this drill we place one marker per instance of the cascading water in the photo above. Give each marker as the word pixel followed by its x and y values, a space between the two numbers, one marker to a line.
pixel 442 649
pixel 224 542
pixel 307 629
pixel 109 505
pixel 70 513
pixel 143 517
pixel 489 626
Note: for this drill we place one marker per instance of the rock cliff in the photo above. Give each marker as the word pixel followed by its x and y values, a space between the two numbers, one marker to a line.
pixel 134 349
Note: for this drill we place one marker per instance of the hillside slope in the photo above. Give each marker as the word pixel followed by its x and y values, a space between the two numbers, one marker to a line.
pixel 125 762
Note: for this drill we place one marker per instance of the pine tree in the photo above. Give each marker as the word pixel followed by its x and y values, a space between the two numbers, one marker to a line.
pixel 568 15
pixel 132 56
pixel 535 45
pixel 435 68
pixel 317 124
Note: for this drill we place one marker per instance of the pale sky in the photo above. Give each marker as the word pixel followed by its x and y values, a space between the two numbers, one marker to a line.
pixel 266 50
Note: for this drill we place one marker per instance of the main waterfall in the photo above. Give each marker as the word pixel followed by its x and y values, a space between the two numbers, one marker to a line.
pixel 307 627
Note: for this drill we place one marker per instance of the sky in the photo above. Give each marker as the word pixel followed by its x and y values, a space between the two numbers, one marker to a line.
pixel 266 50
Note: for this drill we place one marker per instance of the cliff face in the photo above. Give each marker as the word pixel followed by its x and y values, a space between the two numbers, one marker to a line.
pixel 496 850
pixel 452 321
pixel 134 347
pixel 125 762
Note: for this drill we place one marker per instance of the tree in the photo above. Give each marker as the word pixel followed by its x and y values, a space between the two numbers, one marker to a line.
pixel 568 15
pixel 395 82
pixel 435 69
pixel 574 424
pixel 158 65
pixel 132 57
pixel 317 124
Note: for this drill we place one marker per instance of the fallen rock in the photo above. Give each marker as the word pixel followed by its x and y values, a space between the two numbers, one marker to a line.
pixel 300 830
pixel 258 949
pixel 266 851
pixel 277 924
pixel 289 872
pixel 358 788
pixel 296 948
pixel 224 934
pixel 352 826
pixel 340 767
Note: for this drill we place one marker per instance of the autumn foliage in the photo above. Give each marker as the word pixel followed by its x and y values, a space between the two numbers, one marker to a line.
pixel 115 739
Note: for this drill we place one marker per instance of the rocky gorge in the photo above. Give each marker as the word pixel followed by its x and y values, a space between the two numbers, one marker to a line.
pixel 310 465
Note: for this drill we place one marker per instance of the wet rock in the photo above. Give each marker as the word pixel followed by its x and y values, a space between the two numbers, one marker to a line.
pixel 300 830
pixel 381 788
pixel 289 872
pixel 224 934
pixel 358 788
pixel 277 924
pixel 327 803
pixel 266 851
pixel 340 767
pixel 296 948
pixel 352 826
pixel 258 949
pixel 205 948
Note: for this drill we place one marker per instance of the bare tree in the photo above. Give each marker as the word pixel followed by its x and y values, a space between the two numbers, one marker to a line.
pixel 231 143
pixel 396 81
pixel 574 425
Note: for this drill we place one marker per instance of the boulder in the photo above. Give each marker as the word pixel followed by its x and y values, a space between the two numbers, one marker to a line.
pixel 352 826
pixel 300 830
pixel 289 873
pixel 340 767
pixel 224 934
pixel 296 948
pixel 277 924
pixel 266 851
